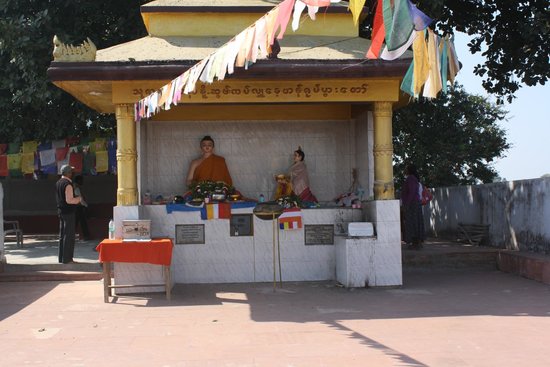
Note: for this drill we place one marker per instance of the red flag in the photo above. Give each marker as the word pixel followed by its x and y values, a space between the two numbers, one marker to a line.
pixel 75 160
pixel 378 33
pixel 61 153
pixel 4 165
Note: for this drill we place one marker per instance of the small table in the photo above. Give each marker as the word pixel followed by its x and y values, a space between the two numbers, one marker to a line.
pixel 155 251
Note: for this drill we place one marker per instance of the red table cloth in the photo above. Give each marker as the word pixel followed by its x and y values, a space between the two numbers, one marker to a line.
pixel 157 251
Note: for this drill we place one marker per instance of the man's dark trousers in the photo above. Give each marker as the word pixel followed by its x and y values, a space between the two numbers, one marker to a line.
pixel 66 237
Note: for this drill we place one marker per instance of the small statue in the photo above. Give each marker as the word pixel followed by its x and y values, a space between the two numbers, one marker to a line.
pixel 284 187
pixel 83 52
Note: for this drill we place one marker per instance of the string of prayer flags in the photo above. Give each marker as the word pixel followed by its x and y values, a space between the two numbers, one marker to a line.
pixel 241 51
pixel 290 219
pixel 47 157
pixel 216 211
pixel 396 27
pixel 434 66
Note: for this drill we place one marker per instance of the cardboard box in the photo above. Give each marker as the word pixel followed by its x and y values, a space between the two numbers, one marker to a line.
pixel 136 229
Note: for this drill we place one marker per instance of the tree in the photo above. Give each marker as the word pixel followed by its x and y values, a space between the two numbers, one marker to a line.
pixel 30 105
pixel 516 35
pixel 452 139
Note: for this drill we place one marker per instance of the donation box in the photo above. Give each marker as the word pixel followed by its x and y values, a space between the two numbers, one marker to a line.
pixel 136 229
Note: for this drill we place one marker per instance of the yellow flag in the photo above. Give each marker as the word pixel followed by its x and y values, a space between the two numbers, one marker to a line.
pixel 27 162
pixel 101 161
pixel 421 65
pixel 30 146
pixel 356 6
pixel 97 145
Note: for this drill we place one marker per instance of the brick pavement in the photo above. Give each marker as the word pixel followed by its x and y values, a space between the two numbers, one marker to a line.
pixel 438 318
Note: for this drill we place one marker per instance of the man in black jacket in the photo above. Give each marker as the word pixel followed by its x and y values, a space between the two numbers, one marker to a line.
pixel 66 209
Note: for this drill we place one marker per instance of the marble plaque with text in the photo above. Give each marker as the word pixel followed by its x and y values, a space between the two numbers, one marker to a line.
pixel 319 234
pixel 190 234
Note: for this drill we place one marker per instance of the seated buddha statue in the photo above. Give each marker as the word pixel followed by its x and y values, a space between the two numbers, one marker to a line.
pixel 209 167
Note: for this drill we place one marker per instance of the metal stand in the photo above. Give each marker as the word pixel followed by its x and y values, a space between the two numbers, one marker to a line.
pixel 276 256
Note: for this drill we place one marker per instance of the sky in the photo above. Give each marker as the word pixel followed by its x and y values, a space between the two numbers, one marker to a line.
pixel 528 121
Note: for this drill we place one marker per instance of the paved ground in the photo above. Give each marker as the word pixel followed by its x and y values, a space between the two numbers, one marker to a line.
pixel 438 318
pixel 44 250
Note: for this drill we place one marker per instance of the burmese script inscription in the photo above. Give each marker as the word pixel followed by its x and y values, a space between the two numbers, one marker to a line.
pixel 230 91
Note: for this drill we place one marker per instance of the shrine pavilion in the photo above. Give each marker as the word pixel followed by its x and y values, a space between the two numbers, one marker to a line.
pixel 318 92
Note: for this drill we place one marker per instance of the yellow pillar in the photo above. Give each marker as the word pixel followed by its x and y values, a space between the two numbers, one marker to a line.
pixel 383 151
pixel 126 155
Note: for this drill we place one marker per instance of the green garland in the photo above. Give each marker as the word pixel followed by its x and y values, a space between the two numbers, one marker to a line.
pixel 289 201
pixel 203 189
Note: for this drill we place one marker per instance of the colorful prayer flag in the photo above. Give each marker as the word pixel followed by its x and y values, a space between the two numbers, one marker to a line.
pixel 101 161
pixel 356 6
pixel 30 146
pixel 216 211
pixel 291 219
pixel 27 163
pixel 75 160
pixel 4 165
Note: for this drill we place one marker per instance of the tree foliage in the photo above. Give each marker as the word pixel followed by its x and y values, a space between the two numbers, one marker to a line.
pixel 453 139
pixel 30 105
pixel 512 35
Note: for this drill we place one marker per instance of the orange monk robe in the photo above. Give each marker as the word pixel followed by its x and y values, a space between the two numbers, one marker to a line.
pixel 212 168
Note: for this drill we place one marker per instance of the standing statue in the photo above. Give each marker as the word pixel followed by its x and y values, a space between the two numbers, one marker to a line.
pixel 300 179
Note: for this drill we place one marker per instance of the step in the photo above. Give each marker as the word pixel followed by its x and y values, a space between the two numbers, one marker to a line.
pixel 432 257
pixel 528 265
pixel 78 267
pixel 35 276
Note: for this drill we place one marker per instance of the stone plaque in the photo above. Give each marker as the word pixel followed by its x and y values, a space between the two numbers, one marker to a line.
pixel 189 234
pixel 241 225
pixel 319 234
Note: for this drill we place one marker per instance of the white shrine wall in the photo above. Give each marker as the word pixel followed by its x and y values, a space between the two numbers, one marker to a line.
pixel 255 151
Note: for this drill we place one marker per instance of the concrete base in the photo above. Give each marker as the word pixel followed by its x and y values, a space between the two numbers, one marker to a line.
pixel 375 261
